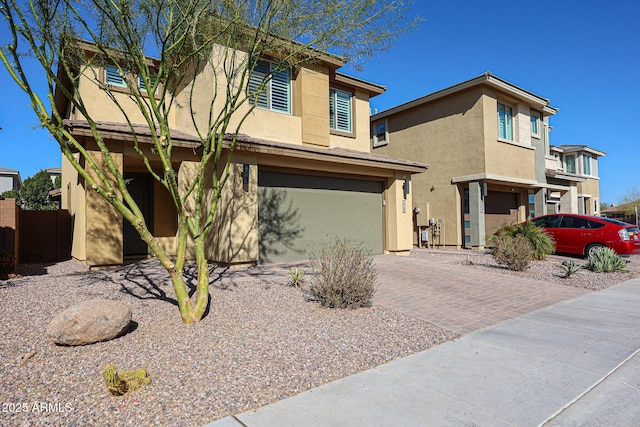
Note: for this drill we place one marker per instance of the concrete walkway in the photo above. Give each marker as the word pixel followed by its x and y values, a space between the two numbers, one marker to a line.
pixel 574 363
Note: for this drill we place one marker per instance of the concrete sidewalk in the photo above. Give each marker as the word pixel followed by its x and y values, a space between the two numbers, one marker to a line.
pixel 574 363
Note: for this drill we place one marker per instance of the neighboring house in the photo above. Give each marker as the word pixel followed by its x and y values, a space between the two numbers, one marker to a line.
pixel 487 144
pixel 579 164
pixel 54 173
pixel 628 212
pixel 9 180
pixel 302 173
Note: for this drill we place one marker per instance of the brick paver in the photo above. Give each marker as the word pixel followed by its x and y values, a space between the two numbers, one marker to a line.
pixel 460 298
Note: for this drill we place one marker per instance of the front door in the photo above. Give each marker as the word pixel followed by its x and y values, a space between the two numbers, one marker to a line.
pixel 140 187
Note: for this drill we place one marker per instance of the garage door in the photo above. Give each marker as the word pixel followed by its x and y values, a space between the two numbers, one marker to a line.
pixel 299 213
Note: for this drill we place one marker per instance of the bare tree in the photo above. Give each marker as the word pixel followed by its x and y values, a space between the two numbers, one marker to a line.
pixel 165 43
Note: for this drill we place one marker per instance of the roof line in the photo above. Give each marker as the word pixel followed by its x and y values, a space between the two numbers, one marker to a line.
pixel 485 78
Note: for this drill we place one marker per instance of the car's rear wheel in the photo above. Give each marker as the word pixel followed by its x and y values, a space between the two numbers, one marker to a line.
pixel 592 248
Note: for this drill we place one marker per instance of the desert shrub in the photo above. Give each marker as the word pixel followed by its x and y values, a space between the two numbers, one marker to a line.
pixel 514 252
pixel 605 260
pixel 297 277
pixel 6 263
pixel 541 241
pixel 344 275
pixel 570 268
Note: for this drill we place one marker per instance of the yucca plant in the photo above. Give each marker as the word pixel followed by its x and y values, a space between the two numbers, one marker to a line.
pixel 297 277
pixel 543 244
pixel 605 260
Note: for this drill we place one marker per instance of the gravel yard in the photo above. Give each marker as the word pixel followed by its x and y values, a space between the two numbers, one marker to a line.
pixel 549 270
pixel 261 342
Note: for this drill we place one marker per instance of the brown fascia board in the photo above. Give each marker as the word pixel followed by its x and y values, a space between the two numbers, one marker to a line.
pixel 122 132
pixel 487 78
pixel 372 88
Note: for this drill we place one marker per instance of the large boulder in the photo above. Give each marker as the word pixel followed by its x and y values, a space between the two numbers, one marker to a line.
pixel 89 322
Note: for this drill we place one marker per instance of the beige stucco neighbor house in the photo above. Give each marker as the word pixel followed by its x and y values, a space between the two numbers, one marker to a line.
pixel 487 144
pixel 303 173
pixel 579 164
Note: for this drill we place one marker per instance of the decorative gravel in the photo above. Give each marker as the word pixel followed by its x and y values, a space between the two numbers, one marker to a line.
pixel 549 270
pixel 261 342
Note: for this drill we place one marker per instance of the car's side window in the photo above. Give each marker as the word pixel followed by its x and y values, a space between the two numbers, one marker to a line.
pixel 547 222
pixel 574 222
pixel 595 224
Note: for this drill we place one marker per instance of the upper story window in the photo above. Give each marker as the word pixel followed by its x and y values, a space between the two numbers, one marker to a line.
pixel 380 134
pixel 570 161
pixel 340 110
pixel 142 86
pixel 113 76
pixel 505 121
pixel 535 124
pixel 272 86
pixel 587 164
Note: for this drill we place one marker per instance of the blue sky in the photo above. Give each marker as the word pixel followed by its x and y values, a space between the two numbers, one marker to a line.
pixel 583 55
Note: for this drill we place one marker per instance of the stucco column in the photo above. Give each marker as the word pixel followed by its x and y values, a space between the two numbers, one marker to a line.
pixel 540 202
pixel 399 215
pixel 476 213
pixel 569 200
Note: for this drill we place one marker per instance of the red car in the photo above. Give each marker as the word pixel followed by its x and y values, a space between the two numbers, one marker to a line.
pixel 583 234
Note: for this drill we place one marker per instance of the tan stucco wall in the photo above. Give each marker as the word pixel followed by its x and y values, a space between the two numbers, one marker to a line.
pixel 73 199
pixel 398 216
pixel 311 103
pixel 516 159
pixel 100 106
pixel 103 221
pixel 233 238
pixel 591 188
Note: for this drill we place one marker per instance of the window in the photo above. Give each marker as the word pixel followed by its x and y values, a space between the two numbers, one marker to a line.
pixel 596 206
pixel 505 121
pixel 142 86
pixel 113 77
pixel 380 134
pixel 587 164
pixel 535 124
pixel 270 88
pixel 340 110
pixel 570 160
pixel 549 221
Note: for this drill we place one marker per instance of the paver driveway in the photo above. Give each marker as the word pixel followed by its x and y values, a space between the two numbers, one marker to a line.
pixel 460 298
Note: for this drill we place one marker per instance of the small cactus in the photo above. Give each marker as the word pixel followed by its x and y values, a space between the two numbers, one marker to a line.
pixel 116 385
pixel 119 383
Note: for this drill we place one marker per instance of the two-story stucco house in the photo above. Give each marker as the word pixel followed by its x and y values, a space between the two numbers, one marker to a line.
pixel 579 164
pixel 302 173
pixel 487 144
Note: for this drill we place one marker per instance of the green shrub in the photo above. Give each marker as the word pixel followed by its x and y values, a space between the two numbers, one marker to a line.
pixel 570 268
pixel 7 259
pixel 541 241
pixel 605 260
pixel 514 252
pixel 344 275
